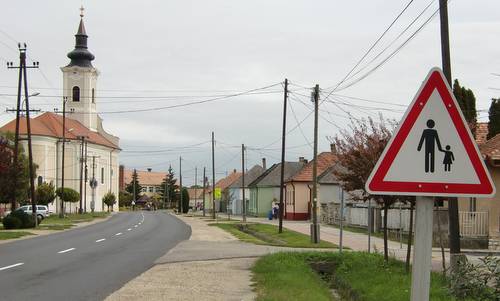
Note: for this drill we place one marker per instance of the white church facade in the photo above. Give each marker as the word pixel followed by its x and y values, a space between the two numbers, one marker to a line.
pixel 83 126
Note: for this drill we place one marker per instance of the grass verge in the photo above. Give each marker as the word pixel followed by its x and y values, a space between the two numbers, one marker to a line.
pixel 13 234
pixel 54 222
pixel 355 276
pixel 264 234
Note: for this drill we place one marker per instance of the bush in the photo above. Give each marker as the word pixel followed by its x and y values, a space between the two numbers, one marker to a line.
pixel 11 222
pixel 69 195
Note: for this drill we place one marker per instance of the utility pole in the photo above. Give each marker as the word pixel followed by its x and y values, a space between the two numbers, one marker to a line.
pixel 213 176
pixel 86 179
pixel 80 209
pixel 165 192
pixel 93 184
pixel 195 184
pixel 204 188
pixel 61 208
pixel 181 207
pixel 282 177
pixel 134 178
pixel 244 205
pixel 315 226
pixel 454 227
pixel 341 236
pixel 22 73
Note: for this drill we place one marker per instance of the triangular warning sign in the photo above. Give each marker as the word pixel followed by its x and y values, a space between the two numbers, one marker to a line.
pixel 432 152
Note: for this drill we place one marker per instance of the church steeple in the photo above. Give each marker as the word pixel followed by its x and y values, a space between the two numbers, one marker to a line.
pixel 81 56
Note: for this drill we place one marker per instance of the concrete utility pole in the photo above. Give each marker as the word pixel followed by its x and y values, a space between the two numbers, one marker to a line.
pixel 282 176
pixel 454 227
pixel 93 184
pixel 80 209
pixel 61 207
pixel 86 179
pixel 341 236
pixel 315 225
pixel 195 184
pixel 180 186
pixel 134 179
pixel 213 176
pixel 204 189
pixel 23 74
pixel 244 202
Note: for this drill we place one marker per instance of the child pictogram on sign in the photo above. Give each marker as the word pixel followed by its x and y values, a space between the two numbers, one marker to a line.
pixel 448 158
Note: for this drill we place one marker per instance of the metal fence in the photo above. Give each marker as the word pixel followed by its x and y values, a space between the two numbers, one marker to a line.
pixel 474 224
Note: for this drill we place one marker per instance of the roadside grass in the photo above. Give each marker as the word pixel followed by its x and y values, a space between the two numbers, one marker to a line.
pixel 54 222
pixel 264 234
pixel 354 275
pixel 13 234
pixel 391 235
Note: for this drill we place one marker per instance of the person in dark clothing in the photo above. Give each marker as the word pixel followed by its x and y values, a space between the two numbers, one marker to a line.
pixel 448 158
pixel 431 138
pixel 275 211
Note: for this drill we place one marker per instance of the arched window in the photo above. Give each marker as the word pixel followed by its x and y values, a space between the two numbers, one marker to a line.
pixel 93 95
pixel 76 93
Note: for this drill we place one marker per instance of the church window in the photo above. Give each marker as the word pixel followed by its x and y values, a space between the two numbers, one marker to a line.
pixel 93 95
pixel 102 175
pixel 76 93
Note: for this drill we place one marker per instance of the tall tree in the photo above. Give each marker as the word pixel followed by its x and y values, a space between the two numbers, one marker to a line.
pixel 358 150
pixel 185 200
pixel 171 195
pixel 135 182
pixel 467 102
pixel 45 193
pixel 494 118
pixel 8 172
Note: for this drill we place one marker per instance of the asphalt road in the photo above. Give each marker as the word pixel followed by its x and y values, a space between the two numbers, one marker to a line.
pixel 87 263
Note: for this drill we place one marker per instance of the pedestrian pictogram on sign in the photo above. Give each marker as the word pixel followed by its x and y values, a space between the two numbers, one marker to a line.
pixel 432 152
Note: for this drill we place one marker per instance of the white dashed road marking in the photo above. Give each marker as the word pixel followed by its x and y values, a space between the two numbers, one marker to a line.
pixel 99 240
pixel 119 233
pixel 129 229
pixel 11 266
pixel 65 251
pixel 135 226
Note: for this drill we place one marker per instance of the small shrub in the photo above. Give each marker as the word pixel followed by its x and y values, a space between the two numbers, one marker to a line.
pixel 27 220
pixel 11 222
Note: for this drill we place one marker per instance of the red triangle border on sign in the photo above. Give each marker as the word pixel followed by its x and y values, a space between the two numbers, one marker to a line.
pixel 376 183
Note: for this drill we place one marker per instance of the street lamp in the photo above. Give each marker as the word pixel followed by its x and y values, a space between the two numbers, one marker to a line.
pixel 24 100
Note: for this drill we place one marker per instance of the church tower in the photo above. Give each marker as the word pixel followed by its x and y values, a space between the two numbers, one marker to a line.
pixel 79 81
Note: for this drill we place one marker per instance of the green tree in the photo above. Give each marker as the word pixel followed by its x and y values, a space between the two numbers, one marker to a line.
pixel 134 182
pixel 467 102
pixel 170 195
pixel 185 200
pixel 124 199
pixel 109 199
pixel 45 193
pixel 494 118
pixel 68 195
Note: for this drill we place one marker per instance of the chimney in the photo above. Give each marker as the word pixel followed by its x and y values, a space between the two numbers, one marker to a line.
pixel 234 170
pixel 150 169
pixel 333 148
pixel 264 163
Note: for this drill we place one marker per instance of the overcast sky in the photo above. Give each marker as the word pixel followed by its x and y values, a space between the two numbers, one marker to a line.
pixel 154 54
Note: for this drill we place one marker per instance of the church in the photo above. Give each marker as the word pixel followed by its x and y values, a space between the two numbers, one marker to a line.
pixel 89 152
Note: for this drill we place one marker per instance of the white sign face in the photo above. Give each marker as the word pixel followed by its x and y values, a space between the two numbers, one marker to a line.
pixel 432 151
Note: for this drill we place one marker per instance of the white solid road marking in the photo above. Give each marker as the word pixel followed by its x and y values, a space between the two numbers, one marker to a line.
pixel 119 233
pixel 65 251
pixel 129 229
pixel 99 240
pixel 11 266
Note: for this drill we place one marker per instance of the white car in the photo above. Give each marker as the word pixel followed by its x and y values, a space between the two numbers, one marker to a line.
pixel 42 211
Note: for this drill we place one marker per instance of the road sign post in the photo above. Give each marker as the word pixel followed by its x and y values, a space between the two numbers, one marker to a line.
pixel 432 153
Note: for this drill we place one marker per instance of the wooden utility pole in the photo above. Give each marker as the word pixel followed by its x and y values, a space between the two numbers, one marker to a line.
pixel 180 186
pixel 204 189
pixel 195 184
pixel 86 179
pixel 315 225
pixel 61 207
pixel 213 176
pixel 80 209
pixel 454 227
pixel 244 202
pixel 282 176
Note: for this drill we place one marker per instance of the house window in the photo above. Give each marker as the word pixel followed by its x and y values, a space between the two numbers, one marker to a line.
pixel 143 189
pixel 93 95
pixel 40 180
pixel 150 188
pixel 76 93
pixel 102 175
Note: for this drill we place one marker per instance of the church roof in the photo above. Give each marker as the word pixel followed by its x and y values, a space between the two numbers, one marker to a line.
pixel 50 125
pixel 81 56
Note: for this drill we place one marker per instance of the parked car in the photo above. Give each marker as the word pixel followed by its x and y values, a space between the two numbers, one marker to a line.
pixel 42 211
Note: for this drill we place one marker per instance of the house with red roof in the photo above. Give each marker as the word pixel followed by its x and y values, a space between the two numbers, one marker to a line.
pixel 89 151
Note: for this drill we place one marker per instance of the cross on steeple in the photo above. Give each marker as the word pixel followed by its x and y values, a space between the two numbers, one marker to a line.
pixel 81 11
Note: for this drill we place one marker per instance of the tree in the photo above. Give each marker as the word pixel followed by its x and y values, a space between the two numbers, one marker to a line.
pixel 467 102
pixel 185 200
pixel 10 191
pixel 109 199
pixel 494 118
pixel 358 150
pixel 170 195
pixel 68 195
pixel 138 187
pixel 124 199
pixel 45 193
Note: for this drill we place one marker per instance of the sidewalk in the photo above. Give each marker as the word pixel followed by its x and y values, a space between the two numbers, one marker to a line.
pixel 211 265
